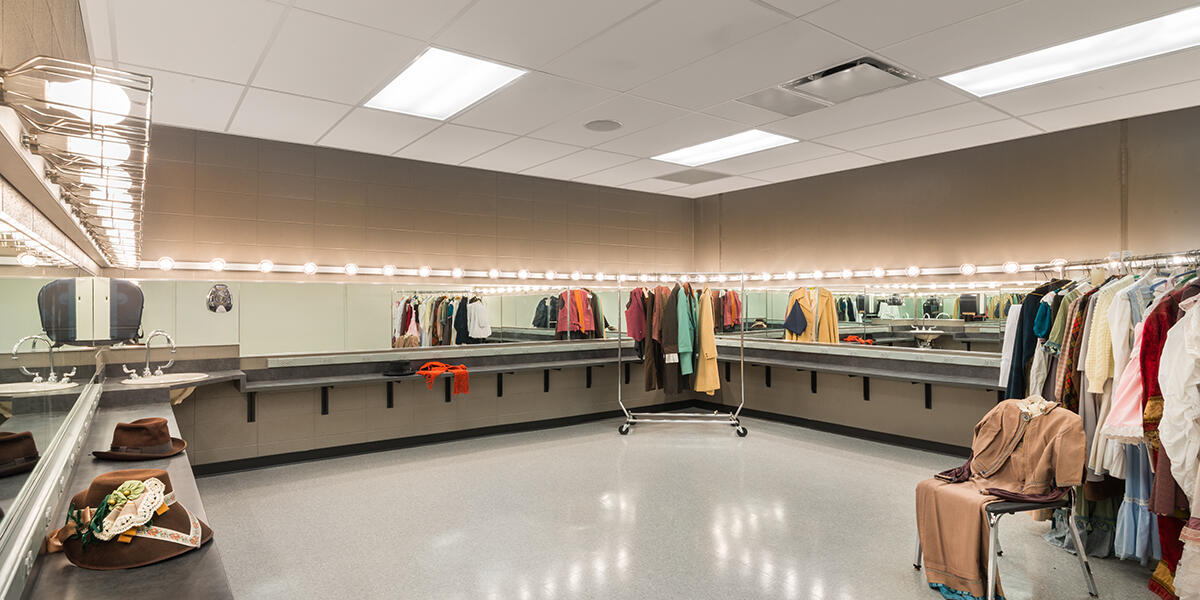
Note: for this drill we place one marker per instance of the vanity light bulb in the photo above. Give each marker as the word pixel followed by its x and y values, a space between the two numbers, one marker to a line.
pixel 1179 259
pixel 265 265
pixel 599 276
pixel 523 274
pixel 217 264
pixel 971 285
pixel 456 272
pixel 847 273
pixel 1011 267
pixel 310 268
pixel 351 269
pixel 720 278
pixel 992 285
pixel 913 271
pixel 1062 262
pixel 166 263
pixel 967 269
pixel 818 274
pixel 389 270
pixel 493 273
pixel 551 275
pixel 953 286
pixel 765 276
pixel 878 272
pixel 701 278
pixel 26 259
pixel 424 271
pixel 575 275
pixel 790 275
pixel 664 278
pixel 644 277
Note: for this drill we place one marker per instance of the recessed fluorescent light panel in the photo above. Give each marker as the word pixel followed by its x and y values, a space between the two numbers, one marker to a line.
pixel 439 84
pixel 746 142
pixel 1165 34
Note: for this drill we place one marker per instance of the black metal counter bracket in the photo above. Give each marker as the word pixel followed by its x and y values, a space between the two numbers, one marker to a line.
pixel 867 389
pixel 928 396
pixel 626 373
pixel 588 377
pixel 499 384
pixel 324 399
pixel 727 378
pixel 813 381
pixel 251 401
pixel 447 389
pixel 546 380
pixel 391 394
pixel 767 375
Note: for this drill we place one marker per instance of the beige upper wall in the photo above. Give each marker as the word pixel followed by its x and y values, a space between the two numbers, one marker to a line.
pixel 246 199
pixel 31 28
pixel 1033 199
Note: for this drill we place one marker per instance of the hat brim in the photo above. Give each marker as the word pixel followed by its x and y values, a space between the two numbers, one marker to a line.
pixel 177 446
pixel 21 468
pixel 113 555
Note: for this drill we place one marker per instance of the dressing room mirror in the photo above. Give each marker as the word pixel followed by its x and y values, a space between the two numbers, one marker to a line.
pixel 36 390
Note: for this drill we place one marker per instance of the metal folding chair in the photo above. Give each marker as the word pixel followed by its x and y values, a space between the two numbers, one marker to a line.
pixel 996 510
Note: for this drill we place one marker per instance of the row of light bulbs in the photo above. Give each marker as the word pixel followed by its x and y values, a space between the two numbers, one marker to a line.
pixel 167 263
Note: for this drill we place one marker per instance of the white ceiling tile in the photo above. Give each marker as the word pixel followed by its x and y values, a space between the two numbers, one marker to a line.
pixel 219 39
pixel 743 113
pixel 653 185
pixel 868 110
pixel 1172 97
pixel 377 131
pixel 967 137
pixel 798 7
pixel 776 56
pixel 520 154
pixel 640 48
pixel 1117 81
pixel 775 157
pixel 95 24
pixel 629 172
pixel 194 102
pixel 532 32
pixel 934 121
pixel 532 101
pixel 875 24
pixel 633 113
pixel 452 144
pixel 820 166
pixel 327 58
pixel 685 131
pixel 415 18
pixel 1025 27
pixel 717 186
pixel 284 117
pixel 579 164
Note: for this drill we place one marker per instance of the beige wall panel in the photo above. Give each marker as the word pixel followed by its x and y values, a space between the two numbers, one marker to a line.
pixel 1164 182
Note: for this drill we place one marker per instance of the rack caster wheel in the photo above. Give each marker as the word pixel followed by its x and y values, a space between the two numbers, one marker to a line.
pixel 741 431
pixel 623 429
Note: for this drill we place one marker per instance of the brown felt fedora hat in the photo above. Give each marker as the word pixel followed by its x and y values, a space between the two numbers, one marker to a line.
pixel 142 439
pixel 143 525
pixel 18 453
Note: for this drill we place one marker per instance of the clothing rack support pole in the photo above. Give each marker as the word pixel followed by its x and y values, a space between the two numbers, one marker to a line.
pixel 741 350
pixel 620 355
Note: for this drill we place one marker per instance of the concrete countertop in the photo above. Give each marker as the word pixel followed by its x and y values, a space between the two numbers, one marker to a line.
pixel 196 574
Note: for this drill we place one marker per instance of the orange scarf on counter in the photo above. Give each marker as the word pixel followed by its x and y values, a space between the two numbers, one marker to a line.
pixel 431 370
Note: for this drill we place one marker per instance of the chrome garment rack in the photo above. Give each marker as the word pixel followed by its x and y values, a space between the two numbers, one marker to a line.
pixel 729 419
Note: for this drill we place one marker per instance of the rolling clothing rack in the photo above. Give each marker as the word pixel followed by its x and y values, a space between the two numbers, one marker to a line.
pixel 730 419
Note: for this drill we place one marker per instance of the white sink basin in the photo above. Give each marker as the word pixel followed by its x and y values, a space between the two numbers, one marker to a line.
pixel 166 379
pixel 28 387
pixel 925 336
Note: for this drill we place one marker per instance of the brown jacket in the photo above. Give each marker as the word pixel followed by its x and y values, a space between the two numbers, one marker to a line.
pixel 1012 452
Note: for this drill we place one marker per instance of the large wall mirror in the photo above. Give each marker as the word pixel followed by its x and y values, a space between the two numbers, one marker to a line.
pixel 42 372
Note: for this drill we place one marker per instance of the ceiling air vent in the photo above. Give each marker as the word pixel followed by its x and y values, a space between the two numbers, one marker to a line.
pixel 692 176
pixel 830 86
pixel 851 80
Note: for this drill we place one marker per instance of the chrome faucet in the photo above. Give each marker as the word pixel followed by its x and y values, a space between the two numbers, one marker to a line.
pixel 939 315
pixel 37 377
pixel 149 338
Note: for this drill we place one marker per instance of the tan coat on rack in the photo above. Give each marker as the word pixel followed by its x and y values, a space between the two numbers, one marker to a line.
pixel 826 328
pixel 707 379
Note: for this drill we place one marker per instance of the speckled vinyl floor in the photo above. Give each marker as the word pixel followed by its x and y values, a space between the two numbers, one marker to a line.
pixel 669 511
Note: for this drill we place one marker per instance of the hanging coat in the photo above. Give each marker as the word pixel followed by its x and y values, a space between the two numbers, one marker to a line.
pixel 652 364
pixel 707 379
pixel 670 342
pixel 686 314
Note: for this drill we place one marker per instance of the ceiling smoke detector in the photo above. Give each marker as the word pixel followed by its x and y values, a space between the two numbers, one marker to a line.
pixel 603 125
pixel 830 86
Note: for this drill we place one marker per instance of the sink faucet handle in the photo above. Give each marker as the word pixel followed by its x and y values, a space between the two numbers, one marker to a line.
pixel 133 374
